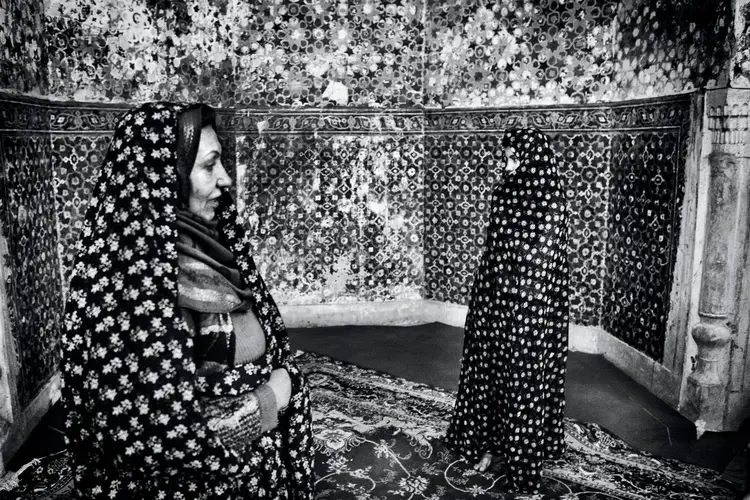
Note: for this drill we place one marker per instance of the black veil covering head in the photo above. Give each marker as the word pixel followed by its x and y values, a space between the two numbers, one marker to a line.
pixel 533 151
pixel 131 397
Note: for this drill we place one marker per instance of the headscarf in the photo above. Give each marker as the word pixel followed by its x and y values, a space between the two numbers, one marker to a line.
pixel 130 396
pixel 537 177
pixel 533 150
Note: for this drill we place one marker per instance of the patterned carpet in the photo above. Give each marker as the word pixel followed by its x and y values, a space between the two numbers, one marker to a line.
pixel 380 437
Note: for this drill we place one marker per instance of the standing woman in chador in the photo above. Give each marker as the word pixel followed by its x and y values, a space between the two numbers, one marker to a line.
pixel 511 399
pixel 178 380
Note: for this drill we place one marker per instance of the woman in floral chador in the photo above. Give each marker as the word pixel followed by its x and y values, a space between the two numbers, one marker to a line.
pixel 178 378
pixel 511 398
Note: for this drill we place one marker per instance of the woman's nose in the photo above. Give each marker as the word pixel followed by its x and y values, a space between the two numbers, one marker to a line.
pixel 223 179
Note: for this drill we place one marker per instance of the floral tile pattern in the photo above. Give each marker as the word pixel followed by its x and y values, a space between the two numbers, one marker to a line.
pixel 375 53
pixel 661 48
pixel 76 161
pixel 584 161
pixel 461 170
pixel 645 191
pixel 178 51
pixel 335 217
pixel 307 53
pixel 509 52
pixel 34 286
pixel 23 51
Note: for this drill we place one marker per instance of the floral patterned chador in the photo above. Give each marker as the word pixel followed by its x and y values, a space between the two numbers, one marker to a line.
pixel 511 398
pixel 137 421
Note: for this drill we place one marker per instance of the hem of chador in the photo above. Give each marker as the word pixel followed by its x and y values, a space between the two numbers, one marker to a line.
pixel 500 457
pixel 475 453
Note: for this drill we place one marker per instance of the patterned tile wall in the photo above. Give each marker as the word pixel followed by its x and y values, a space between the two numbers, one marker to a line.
pixel 290 53
pixel 75 161
pixel 23 51
pixel 336 207
pixel 646 191
pixel 178 51
pixel 34 286
pixel 624 189
pixel 740 68
pixel 584 160
pixel 508 52
pixel 661 48
pixel 496 53
pixel 377 53
pixel 264 53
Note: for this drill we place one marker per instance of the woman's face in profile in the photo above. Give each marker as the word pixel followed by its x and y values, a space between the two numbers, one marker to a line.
pixel 511 159
pixel 208 177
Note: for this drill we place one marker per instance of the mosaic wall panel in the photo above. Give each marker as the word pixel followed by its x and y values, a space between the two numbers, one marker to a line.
pixel 608 244
pixel 177 51
pixel 76 160
pixel 308 53
pixel 646 191
pixel 487 53
pixel 381 53
pixel 740 69
pixel 584 162
pixel 434 217
pixel 34 287
pixel 19 114
pixel 238 53
pixel 462 170
pixel 23 51
pixel 495 53
pixel 336 217
pixel 666 47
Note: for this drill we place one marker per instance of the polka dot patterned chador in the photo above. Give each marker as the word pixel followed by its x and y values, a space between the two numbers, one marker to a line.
pixel 510 399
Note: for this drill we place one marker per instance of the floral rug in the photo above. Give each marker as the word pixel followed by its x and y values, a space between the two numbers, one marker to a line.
pixel 380 437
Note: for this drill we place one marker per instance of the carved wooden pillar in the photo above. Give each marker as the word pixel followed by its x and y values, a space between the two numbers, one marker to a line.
pixel 8 363
pixel 712 389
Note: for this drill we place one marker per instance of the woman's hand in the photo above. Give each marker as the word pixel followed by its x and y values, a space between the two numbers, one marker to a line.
pixel 282 387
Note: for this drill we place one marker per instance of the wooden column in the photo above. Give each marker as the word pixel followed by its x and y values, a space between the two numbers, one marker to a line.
pixel 715 385
pixel 9 364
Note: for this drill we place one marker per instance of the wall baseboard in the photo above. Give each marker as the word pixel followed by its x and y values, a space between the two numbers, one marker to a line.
pixel 391 313
pixel 649 373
